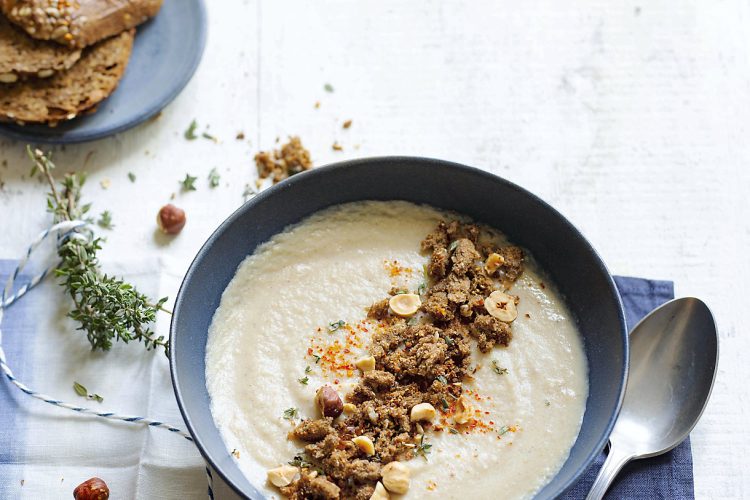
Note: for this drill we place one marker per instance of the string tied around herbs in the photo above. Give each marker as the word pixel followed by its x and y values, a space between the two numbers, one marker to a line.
pixel 65 231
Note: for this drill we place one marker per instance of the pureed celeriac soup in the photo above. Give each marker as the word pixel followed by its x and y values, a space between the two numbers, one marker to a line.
pixel 385 348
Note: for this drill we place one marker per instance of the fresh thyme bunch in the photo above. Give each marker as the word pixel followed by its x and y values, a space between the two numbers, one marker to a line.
pixel 107 308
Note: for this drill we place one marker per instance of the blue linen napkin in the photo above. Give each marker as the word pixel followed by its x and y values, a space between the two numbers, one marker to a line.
pixel 668 476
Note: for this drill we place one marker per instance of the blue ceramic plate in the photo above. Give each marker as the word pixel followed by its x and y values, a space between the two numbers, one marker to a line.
pixel 166 53
pixel 528 221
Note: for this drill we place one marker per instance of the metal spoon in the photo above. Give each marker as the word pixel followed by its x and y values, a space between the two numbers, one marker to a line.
pixel 673 356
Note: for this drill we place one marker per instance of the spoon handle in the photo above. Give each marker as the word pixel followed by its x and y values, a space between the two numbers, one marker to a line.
pixel 612 465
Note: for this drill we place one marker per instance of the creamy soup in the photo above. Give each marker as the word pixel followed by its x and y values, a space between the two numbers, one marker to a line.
pixel 305 294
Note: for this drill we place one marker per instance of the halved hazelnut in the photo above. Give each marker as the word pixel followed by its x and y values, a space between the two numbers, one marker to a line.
pixel 365 445
pixel 329 402
pixel 396 477
pixel 493 262
pixel 405 304
pixel 366 364
pixel 380 493
pixel 282 476
pixel 422 411
pixel 501 306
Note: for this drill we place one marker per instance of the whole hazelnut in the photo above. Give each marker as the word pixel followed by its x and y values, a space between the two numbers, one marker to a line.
pixel 93 489
pixel 329 402
pixel 171 219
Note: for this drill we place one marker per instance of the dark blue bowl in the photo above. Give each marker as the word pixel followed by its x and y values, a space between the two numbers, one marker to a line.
pixel 559 248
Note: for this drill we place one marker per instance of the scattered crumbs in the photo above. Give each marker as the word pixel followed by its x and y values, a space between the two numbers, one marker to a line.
pixel 172 196
pixel 131 176
pixel 210 137
pixel 188 183
pixel 528 315
pixel 337 147
pixel 347 124
pixel 190 132
pixel 317 104
pixel 236 453
pixel 431 485
pixel 105 220
pixel 547 403
pixel 292 158
pixel 328 87
pixel 542 285
pixel 105 183
pixel 23 481
pixel 213 178
pixel 240 135
pixel 62 479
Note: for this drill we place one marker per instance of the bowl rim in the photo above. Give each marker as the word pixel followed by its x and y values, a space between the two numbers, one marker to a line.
pixel 336 166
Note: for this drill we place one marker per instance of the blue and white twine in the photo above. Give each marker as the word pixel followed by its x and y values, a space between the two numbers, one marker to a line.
pixel 69 229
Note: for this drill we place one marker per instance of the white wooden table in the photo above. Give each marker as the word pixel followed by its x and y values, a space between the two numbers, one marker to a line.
pixel 629 117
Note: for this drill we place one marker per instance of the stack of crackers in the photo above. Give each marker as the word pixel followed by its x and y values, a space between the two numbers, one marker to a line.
pixel 60 58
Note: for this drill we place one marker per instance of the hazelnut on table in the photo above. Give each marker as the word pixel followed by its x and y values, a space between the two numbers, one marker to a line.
pixel 92 489
pixel 171 219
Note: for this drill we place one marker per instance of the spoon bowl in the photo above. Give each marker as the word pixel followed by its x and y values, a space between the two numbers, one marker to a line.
pixel 673 357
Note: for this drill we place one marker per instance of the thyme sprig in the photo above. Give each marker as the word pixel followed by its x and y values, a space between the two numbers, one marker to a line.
pixel 106 308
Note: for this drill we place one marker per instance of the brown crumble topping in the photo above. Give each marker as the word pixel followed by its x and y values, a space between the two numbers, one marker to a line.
pixel 337 147
pixel 347 124
pixel 292 158
pixel 423 359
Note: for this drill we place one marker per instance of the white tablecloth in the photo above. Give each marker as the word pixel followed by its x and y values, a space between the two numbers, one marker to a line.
pixel 631 118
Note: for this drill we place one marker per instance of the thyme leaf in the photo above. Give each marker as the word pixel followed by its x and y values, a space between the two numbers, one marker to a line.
pixel 332 327
pixel 83 392
pixel 496 368
pixel 188 183
pixel 105 220
pixel 423 448
pixel 213 178
pixel 291 413
pixel 190 132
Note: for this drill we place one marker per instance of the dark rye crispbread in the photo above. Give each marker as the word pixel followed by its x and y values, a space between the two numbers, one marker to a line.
pixel 22 56
pixel 69 93
pixel 78 23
